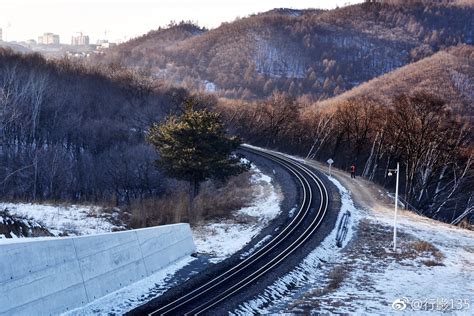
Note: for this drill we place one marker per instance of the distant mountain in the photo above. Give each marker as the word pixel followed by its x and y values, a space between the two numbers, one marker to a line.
pixel 303 52
pixel 448 74
pixel 137 52
pixel 15 47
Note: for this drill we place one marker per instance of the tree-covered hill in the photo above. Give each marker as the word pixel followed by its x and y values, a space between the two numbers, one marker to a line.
pixel 68 132
pixel 302 52
pixel 448 74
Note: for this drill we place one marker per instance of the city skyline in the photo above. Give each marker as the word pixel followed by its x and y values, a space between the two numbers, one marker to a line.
pixel 22 20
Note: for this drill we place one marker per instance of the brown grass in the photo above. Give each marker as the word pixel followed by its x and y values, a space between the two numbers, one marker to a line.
pixel 423 246
pixel 216 200
pixel 336 276
pixel 426 247
pixel 466 224
pixel 170 208
pixel 432 263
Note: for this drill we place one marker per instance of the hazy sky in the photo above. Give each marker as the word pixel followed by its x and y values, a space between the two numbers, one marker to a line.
pixel 26 19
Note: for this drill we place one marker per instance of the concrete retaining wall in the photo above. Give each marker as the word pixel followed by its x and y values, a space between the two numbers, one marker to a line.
pixel 48 277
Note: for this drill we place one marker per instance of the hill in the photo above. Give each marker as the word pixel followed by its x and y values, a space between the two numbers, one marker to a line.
pixel 303 52
pixel 15 47
pixel 137 50
pixel 419 115
pixel 448 74
pixel 74 133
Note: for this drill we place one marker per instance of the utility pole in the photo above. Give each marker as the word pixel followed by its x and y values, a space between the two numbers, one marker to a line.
pixel 390 172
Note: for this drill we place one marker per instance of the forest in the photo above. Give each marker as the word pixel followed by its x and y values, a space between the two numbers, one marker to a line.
pixel 69 132
pixel 72 131
pixel 313 54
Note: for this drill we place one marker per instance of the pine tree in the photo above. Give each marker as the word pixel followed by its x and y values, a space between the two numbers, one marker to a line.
pixel 194 147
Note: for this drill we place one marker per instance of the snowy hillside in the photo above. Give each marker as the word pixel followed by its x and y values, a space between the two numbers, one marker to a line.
pixel 314 52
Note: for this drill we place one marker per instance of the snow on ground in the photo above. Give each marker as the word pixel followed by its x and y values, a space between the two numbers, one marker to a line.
pixel 308 270
pixel 70 220
pixel 431 273
pixel 123 300
pixel 247 222
pixel 12 227
pixel 209 238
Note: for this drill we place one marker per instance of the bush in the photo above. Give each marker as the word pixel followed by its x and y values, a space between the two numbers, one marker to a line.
pixel 216 200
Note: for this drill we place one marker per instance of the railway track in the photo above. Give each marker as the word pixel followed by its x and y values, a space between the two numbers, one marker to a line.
pixel 214 291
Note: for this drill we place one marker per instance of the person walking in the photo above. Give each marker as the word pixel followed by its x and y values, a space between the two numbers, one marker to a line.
pixel 353 171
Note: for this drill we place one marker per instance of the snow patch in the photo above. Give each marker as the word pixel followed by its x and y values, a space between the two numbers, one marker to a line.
pixel 130 297
pixel 71 220
pixel 307 271
pixel 222 239
pixel 291 213
pixel 209 86
pixel 257 245
pixel 279 61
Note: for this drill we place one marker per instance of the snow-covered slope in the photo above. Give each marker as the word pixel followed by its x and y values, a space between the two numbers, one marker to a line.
pixel 67 220
pixel 16 226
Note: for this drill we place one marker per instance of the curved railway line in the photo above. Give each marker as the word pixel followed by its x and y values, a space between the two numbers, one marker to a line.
pixel 312 210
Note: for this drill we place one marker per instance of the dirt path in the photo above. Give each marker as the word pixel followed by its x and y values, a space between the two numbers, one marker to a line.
pixel 374 199
pixel 365 193
pixel 434 262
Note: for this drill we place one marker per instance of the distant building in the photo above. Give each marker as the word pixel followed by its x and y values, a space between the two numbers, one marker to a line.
pixel 48 39
pixel 80 40
pixel 1 35
pixel 31 42
pixel 105 45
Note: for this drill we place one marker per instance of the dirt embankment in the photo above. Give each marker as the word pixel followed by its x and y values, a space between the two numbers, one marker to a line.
pixel 14 226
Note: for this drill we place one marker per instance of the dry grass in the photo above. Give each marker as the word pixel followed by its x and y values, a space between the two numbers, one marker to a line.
pixel 432 263
pixel 170 208
pixel 214 201
pixel 336 276
pixel 423 246
pixel 465 224
pixel 219 201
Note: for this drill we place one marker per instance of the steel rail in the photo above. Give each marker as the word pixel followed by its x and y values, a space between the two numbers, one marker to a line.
pixel 271 264
pixel 249 260
pixel 295 168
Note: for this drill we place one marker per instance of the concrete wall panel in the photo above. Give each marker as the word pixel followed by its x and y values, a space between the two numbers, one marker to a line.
pixel 55 275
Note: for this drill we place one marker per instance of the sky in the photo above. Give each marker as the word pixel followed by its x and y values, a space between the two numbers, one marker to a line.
pixel 123 19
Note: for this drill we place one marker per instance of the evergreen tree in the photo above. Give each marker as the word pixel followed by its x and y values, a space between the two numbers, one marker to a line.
pixel 194 147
